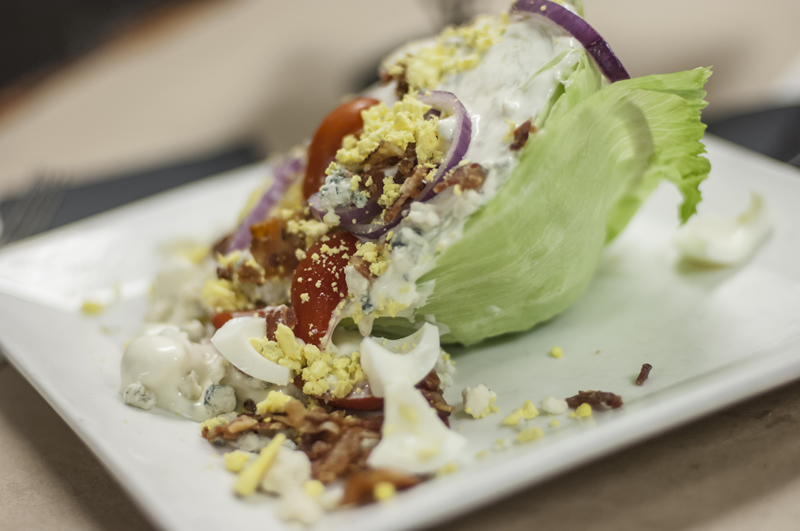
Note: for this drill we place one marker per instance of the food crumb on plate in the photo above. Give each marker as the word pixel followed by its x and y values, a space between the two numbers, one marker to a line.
pixel 530 434
pixel 584 410
pixel 479 401
pixel 554 406
pixel 384 490
pixel 527 411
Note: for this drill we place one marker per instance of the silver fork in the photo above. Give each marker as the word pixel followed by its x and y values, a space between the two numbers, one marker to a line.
pixel 34 210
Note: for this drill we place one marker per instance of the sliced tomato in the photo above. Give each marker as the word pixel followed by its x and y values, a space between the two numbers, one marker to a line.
pixel 342 121
pixel 319 285
pixel 361 401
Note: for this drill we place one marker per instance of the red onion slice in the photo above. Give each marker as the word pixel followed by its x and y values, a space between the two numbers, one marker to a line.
pixel 348 215
pixel 595 45
pixel 373 231
pixel 447 103
pixel 285 173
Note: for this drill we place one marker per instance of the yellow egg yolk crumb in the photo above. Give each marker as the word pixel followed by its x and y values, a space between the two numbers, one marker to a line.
pixel 556 352
pixel 527 411
pixel 219 295
pixel 456 50
pixel 530 434
pixel 320 371
pixel 92 308
pixel 274 403
pixel 449 468
pixel 403 124
pixel 584 410
pixel 235 461
pixel 383 491
pixel 212 423
pixel 377 258
pixel 313 488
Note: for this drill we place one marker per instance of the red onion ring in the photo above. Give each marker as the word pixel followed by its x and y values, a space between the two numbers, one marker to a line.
pixel 594 44
pixel 447 103
pixel 285 173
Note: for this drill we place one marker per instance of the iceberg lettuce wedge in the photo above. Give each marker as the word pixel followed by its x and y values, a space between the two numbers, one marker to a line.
pixel 531 251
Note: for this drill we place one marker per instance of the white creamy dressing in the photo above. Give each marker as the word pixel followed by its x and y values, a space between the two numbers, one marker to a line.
pixel 162 363
pixel 501 87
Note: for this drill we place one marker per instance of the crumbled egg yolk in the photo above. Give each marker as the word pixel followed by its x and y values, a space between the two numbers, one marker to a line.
pixel 375 257
pixel 383 491
pixel 481 454
pixel 527 411
pixel 248 479
pixel 456 50
pixel 530 434
pixel 401 125
pixel 312 229
pixel 274 403
pixel 313 488
pixel 92 307
pixel 212 423
pixel 390 307
pixel 220 296
pixel 556 352
pixel 449 468
pixel 319 370
pixel 554 423
pixel 584 410
pixel 229 259
pixel 235 461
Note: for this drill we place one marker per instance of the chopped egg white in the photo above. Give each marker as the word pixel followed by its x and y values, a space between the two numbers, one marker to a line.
pixel 554 406
pixel 479 401
pixel 712 239
pixel 415 439
pixel 406 360
pixel 233 342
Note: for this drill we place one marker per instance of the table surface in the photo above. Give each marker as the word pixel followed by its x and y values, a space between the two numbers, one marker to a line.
pixel 205 76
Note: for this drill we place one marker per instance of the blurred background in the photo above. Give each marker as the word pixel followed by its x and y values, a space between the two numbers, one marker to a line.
pixel 124 98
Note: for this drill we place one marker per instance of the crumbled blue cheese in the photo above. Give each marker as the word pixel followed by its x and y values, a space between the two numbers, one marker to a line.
pixel 338 192
pixel 219 399
pixel 137 395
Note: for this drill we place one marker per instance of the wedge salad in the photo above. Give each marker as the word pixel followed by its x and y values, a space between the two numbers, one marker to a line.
pixel 469 194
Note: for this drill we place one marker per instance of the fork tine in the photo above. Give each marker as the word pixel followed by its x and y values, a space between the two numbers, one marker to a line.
pixel 34 210
pixel 30 214
pixel 47 211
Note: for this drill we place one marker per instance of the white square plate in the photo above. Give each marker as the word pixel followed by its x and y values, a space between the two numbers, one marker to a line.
pixel 713 337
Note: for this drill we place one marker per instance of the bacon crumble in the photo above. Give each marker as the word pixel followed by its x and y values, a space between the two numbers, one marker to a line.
pixel 467 177
pixel 643 374
pixel 521 134
pixel 595 399
pixel 360 487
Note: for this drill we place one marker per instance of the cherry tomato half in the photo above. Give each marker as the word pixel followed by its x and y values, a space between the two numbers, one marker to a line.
pixel 342 121
pixel 219 319
pixel 319 285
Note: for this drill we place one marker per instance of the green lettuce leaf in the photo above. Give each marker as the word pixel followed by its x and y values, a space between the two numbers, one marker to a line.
pixel 531 251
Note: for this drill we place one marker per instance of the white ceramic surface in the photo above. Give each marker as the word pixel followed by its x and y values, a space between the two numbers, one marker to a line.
pixel 713 337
